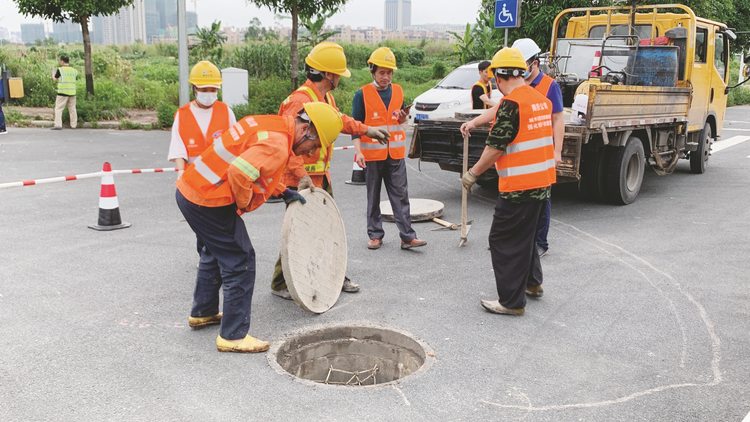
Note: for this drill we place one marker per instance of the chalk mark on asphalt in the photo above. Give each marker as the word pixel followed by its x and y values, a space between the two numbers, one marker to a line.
pixel 403 396
pixel 715 341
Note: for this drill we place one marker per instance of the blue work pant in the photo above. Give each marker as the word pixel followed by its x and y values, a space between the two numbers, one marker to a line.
pixel 2 117
pixel 229 264
pixel 393 174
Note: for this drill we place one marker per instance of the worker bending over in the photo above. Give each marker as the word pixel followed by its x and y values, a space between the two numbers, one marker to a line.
pixel 520 146
pixel 237 174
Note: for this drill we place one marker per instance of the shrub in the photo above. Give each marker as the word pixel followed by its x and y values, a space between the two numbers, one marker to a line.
pixel 263 60
pixel 165 114
pixel 438 70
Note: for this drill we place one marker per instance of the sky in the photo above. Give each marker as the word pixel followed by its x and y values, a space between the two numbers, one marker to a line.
pixel 357 13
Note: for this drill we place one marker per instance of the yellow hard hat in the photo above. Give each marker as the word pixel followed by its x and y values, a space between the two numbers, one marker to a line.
pixel 327 121
pixel 383 57
pixel 328 57
pixel 205 74
pixel 508 58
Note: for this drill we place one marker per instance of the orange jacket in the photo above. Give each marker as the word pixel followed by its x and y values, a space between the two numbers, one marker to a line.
pixel 191 133
pixel 316 166
pixel 244 166
pixel 378 116
pixel 544 85
pixel 487 91
pixel 529 161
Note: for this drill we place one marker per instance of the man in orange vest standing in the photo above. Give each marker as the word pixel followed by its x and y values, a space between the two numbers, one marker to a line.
pixel 481 91
pixel 550 89
pixel 324 66
pixel 520 146
pixel 198 122
pixel 237 174
pixel 381 104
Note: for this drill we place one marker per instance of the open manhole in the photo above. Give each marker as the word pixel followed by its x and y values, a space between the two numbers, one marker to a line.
pixel 355 355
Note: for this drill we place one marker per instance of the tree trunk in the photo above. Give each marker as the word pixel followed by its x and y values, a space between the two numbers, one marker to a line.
pixel 87 55
pixel 295 52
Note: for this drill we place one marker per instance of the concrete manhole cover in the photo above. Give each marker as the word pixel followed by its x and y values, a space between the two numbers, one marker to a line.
pixel 353 355
pixel 420 210
pixel 313 251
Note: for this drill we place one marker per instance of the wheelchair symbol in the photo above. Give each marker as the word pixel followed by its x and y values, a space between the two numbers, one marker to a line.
pixel 504 15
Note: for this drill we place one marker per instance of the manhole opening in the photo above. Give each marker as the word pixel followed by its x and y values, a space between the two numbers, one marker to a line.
pixel 351 355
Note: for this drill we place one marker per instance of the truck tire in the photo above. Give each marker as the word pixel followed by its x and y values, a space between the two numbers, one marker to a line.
pixel 595 174
pixel 625 172
pixel 699 157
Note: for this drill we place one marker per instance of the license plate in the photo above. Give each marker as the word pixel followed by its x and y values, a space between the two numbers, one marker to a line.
pixel 421 117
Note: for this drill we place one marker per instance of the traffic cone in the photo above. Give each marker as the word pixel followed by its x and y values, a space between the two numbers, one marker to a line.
pixel 109 209
pixel 595 64
pixel 358 174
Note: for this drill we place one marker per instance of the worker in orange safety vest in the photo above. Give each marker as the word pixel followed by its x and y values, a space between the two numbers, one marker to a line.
pixel 237 174
pixel 324 65
pixel 520 145
pixel 381 104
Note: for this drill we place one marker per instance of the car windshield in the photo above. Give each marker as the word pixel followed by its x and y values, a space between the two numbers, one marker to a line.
pixel 461 78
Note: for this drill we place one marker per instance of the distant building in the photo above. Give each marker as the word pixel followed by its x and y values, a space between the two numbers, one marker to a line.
pixel 234 35
pixel 124 27
pixel 345 34
pixel 67 32
pixel 397 15
pixel 4 33
pixel 31 32
pixel 146 20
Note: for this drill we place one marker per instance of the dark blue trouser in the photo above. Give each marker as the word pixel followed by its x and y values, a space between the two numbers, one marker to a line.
pixel 2 117
pixel 514 258
pixel 393 174
pixel 543 230
pixel 230 264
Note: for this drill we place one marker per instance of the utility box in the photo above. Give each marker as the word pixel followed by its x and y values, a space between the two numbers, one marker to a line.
pixel 15 87
pixel 234 87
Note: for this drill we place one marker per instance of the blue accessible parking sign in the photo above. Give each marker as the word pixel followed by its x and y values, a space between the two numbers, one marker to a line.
pixel 506 13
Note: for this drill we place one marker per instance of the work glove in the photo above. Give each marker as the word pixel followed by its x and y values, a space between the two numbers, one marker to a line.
pixel 291 196
pixel 381 135
pixel 305 182
pixel 468 180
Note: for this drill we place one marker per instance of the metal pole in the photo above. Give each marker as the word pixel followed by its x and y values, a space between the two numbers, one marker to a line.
pixel 742 64
pixel 182 49
pixel 506 38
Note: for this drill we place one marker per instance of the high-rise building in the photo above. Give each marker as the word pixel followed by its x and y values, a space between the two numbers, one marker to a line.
pixel 4 33
pixel 67 31
pixel 397 15
pixel 126 26
pixel 31 32
pixel 146 20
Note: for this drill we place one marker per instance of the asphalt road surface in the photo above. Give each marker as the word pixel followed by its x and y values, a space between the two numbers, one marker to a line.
pixel 644 317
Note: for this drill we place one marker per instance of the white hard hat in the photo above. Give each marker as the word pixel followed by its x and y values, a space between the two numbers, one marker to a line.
pixel 528 47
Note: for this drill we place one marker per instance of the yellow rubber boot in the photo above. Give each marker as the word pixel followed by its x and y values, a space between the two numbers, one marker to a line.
pixel 249 345
pixel 199 322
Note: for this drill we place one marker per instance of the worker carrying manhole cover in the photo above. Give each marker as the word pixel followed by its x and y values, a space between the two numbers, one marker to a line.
pixel 520 145
pixel 239 172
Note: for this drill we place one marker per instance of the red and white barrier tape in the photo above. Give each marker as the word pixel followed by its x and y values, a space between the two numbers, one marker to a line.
pixel 340 148
pixel 80 177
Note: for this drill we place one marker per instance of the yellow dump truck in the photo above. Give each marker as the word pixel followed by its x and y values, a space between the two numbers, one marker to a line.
pixel 642 85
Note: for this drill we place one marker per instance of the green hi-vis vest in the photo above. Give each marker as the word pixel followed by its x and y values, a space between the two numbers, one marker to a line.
pixel 66 85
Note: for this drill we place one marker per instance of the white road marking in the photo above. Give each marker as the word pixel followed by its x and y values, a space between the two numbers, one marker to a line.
pixel 735 140
pixel 736 129
pixel 747 418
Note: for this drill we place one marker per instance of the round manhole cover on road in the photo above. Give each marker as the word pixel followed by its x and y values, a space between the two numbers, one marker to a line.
pixel 420 210
pixel 313 251
pixel 351 355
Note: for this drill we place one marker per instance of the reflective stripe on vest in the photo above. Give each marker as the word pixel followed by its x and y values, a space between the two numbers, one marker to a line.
pixel 192 135
pixel 544 85
pixel 529 161
pixel 317 165
pixel 203 182
pixel 66 85
pixel 376 115
pixel 486 91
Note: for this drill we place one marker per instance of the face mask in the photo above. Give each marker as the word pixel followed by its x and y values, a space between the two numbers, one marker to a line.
pixel 207 98
pixel 526 74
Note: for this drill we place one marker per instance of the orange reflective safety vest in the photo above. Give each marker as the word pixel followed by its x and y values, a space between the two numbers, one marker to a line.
pixel 316 165
pixel 487 92
pixel 544 85
pixel 529 161
pixel 205 181
pixel 376 115
pixel 191 134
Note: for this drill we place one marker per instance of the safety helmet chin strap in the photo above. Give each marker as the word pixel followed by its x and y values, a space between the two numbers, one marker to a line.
pixel 314 71
pixel 303 115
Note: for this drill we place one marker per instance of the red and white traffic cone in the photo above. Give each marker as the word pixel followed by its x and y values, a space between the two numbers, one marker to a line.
pixel 109 209
pixel 598 72
pixel 358 174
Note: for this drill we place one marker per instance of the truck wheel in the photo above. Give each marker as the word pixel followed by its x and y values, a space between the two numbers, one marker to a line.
pixel 595 174
pixel 699 157
pixel 626 167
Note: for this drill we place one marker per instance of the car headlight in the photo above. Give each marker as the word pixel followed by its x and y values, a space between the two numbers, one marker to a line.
pixel 449 105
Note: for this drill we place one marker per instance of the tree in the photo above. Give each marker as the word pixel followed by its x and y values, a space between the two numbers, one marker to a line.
pixel 211 37
pixel 254 30
pixel 297 8
pixel 78 11
pixel 464 47
pixel 316 33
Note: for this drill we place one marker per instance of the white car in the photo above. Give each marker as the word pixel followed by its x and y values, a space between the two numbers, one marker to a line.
pixel 450 95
